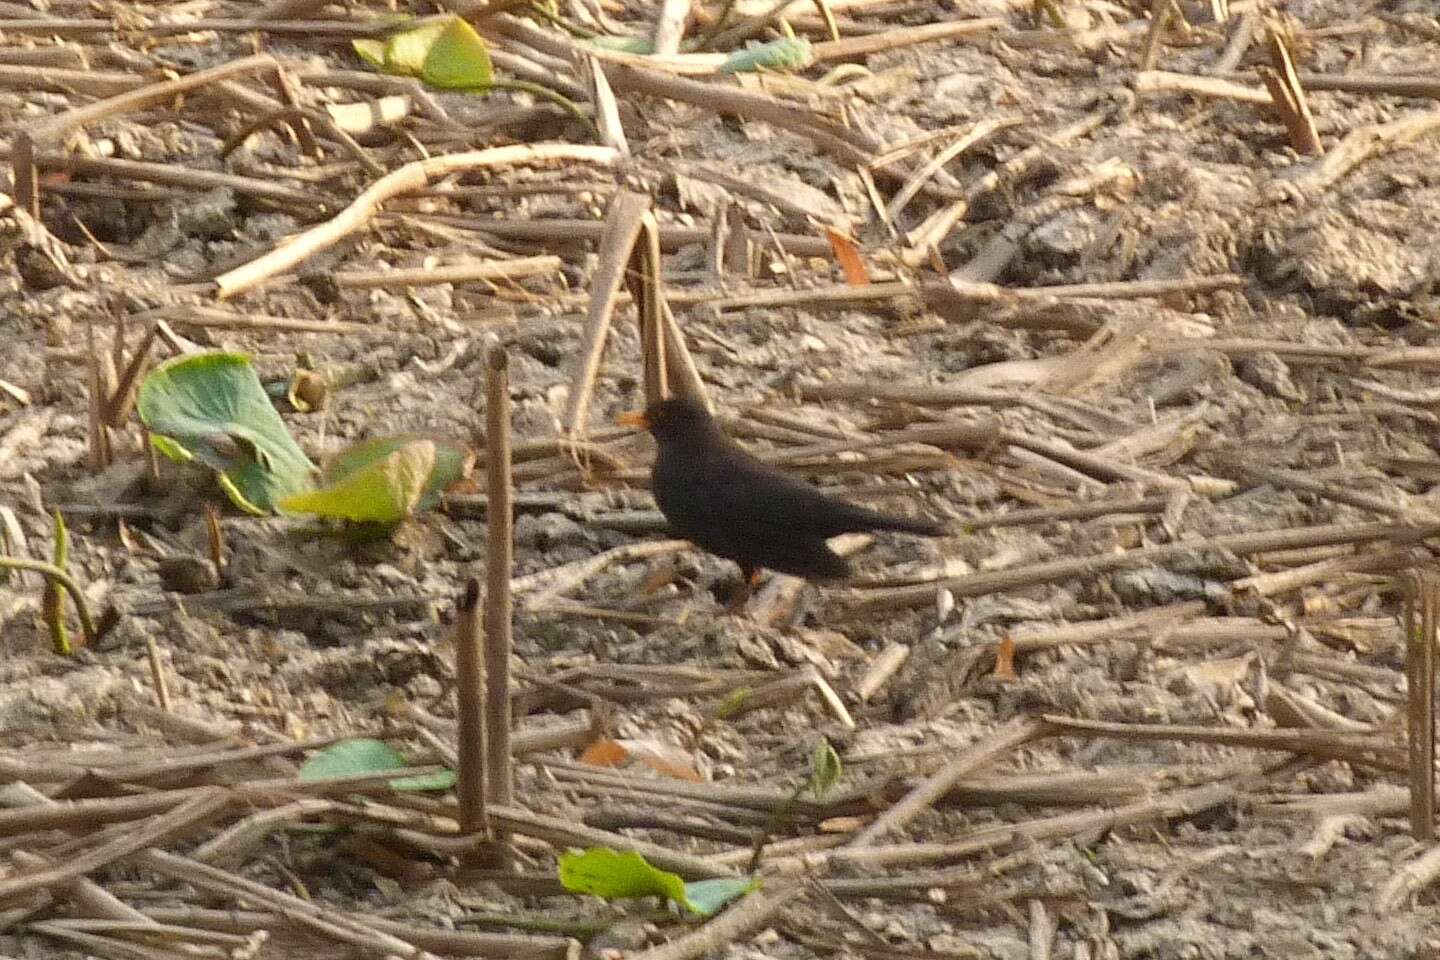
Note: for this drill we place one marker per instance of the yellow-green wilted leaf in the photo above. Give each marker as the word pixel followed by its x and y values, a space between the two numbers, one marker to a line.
pixel 614 875
pixel 787 53
pixel 385 489
pixel 825 768
pixel 405 52
pixel 371 51
pixel 458 59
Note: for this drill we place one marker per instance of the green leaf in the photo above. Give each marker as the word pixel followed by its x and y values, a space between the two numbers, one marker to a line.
pixel 636 45
pixel 614 875
pixel 447 54
pixel 405 52
pixel 384 479
pixel 458 59
pixel 736 701
pixel 706 897
pixel 353 758
pixel 61 557
pixel 825 768
pixel 211 407
pixel 52 600
pixel 787 53
pixel 371 51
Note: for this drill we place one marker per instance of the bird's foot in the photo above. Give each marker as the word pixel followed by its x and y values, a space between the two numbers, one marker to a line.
pixel 749 579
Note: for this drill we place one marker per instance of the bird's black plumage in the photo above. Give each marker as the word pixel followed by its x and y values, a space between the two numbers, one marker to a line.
pixel 730 503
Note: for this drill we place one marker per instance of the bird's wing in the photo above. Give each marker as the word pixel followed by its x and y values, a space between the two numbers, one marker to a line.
pixel 748 492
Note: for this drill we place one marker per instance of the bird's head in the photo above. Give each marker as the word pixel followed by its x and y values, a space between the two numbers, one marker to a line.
pixel 671 419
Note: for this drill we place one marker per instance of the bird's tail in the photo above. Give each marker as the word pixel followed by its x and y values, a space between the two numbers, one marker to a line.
pixel 863 518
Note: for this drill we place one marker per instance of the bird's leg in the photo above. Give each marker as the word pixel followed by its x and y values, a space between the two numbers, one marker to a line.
pixel 749 580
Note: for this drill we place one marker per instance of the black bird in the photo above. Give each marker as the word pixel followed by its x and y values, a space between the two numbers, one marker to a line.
pixel 725 500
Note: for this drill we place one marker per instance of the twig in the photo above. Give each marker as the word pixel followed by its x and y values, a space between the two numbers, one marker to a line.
pixel 548 584
pixel 1367 750
pixel 1409 880
pixel 1292 480
pixel 175 175
pixel 347 929
pixel 566 832
pixel 1057 570
pixel 976 134
pixel 849 146
pixel 1357 146
pixel 1242 33
pixel 569 232
pixel 881 670
pixel 853 47
pixel 56 127
pixel 470 712
pixel 468 272
pixel 500 518
pixel 1164 81
pixel 1017 732
pixel 754 910
pixel 1180 803
pixel 197 810
pixel 413 176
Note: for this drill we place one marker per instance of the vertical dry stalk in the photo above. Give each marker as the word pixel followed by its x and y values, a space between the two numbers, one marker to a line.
pixel 1283 82
pixel 682 374
pixel 643 278
pixel 1159 17
pixel 500 559
pixel 1422 615
pixel 469 712
pixel 157 674
pixel 215 535
pixel 23 175
pixel 99 455
pixel 622 226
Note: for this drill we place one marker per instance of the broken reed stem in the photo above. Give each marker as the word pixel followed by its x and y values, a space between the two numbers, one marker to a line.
pixel 682 375
pixel 1285 88
pixel 1019 731
pixel 649 296
pixel 469 712
pixel 500 780
pixel 622 227
pixel 1422 606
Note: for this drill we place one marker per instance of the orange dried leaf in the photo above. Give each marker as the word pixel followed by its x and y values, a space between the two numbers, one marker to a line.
pixel 605 753
pixel 1005 660
pixel 670 768
pixel 848 255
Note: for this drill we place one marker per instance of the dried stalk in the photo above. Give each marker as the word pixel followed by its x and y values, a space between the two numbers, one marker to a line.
pixel 470 711
pixel 500 518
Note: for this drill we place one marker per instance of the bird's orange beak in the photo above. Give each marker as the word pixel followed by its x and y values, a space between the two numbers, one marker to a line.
pixel 635 418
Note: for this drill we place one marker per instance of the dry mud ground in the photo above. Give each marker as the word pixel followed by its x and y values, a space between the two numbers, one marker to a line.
pixel 1181 527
